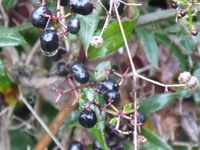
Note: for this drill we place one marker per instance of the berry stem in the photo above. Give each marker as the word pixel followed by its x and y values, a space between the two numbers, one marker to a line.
pixel 130 4
pixel 107 18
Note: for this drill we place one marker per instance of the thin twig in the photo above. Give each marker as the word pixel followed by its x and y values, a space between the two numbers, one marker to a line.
pixel 33 51
pixel 134 74
pixel 107 18
pixel 4 15
pixel 45 127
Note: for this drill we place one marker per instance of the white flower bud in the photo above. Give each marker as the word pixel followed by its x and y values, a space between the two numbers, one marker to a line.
pixel 192 83
pixel 96 41
pixel 184 77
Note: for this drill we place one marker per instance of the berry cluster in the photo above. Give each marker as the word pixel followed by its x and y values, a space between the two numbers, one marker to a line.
pixel 187 79
pixel 185 10
pixel 50 22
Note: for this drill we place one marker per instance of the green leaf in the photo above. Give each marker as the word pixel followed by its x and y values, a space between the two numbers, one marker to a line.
pixel 156 102
pixel 149 44
pixel 8 4
pixel 9 37
pixel 98 132
pixel 17 137
pixel 88 95
pixel 186 44
pixel 128 107
pixel 4 79
pixel 112 39
pixel 88 26
pixel 154 142
pixel 162 38
pixel 101 70
pixel 72 120
pixel 113 121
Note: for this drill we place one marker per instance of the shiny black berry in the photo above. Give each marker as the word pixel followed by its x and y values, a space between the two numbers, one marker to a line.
pixel 61 69
pixel 107 85
pixel 121 6
pixel 80 73
pixel 57 56
pixel 112 96
pixel 75 145
pixel 96 146
pixel 73 25
pixel 88 118
pixel 82 7
pixel 37 17
pixel 64 2
pixel 174 5
pixel 49 41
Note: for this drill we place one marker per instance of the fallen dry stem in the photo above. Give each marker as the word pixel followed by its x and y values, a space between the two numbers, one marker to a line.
pixel 56 124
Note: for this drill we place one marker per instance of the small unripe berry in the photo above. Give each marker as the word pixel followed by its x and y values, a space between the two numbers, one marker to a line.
pixel 184 77
pixel 96 41
pixel 192 82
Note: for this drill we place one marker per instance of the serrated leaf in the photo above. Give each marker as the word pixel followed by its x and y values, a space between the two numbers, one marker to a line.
pixel 127 107
pixel 162 38
pixel 88 26
pixel 113 121
pixel 10 37
pixel 112 39
pixel 101 70
pixel 149 44
pixel 154 142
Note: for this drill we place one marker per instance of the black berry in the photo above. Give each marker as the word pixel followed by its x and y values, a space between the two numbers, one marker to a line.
pixel 121 6
pixel 112 96
pixel 75 145
pixel 107 85
pixel 37 17
pixel 64 2
pixel 182 13
pixel 73 25
pixel 88 118
pixel 57 56
pixel 174 5
pixel 194 32
pixel 80 73
pixel 61 69
pixel 49 41
pixel 82 7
